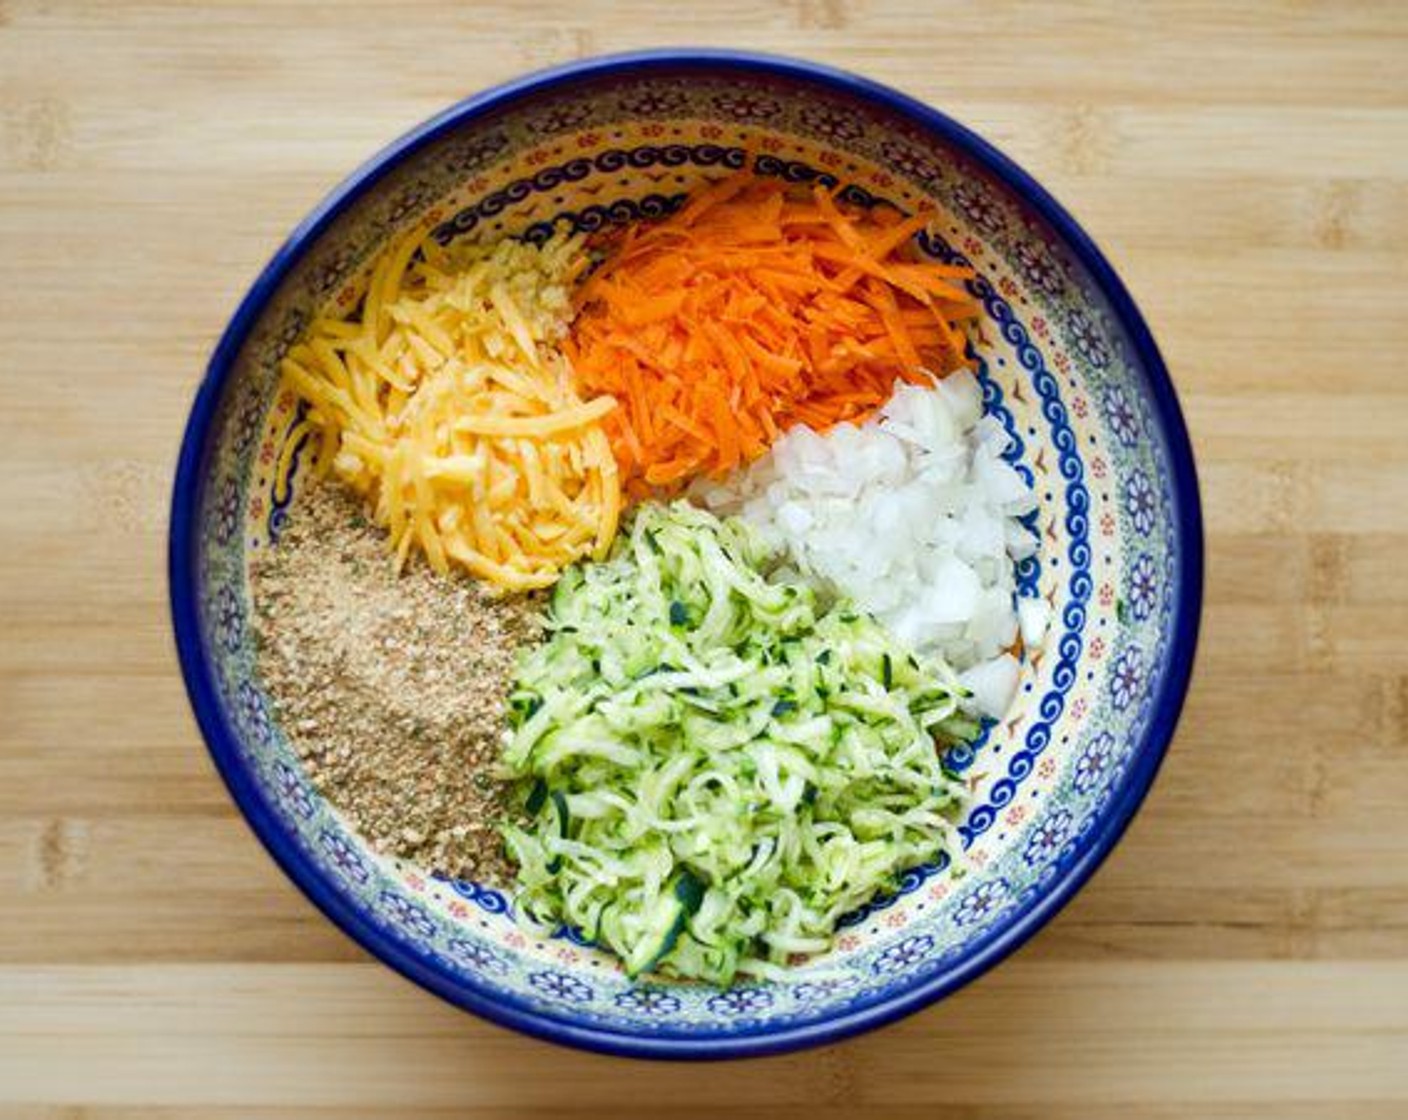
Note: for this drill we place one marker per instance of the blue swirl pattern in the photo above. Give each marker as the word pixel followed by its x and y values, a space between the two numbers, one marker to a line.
pixel 593 217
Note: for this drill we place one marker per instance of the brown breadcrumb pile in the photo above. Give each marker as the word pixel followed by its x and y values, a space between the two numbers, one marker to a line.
pixel 391 688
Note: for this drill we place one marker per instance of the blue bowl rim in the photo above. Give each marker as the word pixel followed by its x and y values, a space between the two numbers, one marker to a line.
pixel 198 671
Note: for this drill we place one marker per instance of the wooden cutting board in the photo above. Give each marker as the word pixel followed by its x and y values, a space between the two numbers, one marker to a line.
pixel 1244 953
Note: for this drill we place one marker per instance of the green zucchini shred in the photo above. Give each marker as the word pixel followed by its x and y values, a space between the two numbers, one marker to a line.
pixel 720 794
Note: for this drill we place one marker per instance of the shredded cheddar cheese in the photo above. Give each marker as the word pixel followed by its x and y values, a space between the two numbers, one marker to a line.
pixel 446 403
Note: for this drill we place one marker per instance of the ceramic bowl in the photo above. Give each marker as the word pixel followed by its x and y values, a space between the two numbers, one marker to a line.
pixel 1069 367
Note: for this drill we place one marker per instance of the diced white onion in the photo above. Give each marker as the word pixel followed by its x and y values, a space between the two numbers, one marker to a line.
pixel 915 516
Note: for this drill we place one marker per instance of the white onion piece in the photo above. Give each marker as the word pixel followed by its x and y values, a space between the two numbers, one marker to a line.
pixel 993 684
pixel 1033 616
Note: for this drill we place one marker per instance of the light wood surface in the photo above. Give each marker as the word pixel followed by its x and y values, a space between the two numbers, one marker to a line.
pixel 1245 952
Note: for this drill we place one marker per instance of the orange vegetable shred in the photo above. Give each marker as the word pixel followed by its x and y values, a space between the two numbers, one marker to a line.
pixel 753 309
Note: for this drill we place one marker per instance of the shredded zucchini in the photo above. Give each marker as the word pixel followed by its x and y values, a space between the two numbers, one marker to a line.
pixel 714 766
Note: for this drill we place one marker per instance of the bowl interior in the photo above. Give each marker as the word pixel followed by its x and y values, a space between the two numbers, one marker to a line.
pixel 1089 428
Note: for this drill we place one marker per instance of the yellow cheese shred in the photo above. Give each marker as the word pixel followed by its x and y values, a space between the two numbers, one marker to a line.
pixel 445 401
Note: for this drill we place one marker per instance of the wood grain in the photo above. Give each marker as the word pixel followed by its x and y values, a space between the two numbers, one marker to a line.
pixel 1244 955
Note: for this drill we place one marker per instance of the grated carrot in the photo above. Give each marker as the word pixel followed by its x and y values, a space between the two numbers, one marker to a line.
pixel 752 309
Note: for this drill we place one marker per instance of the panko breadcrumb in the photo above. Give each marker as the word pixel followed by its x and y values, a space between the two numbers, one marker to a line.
pixel 391 688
